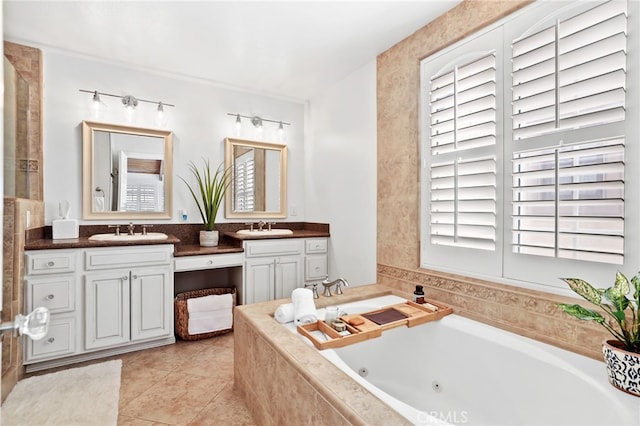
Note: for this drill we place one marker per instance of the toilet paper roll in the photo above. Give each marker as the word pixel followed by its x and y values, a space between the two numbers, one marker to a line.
pixel 304 308
pixel 284 313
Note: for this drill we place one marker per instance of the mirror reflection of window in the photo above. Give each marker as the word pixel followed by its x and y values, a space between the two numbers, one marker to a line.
pixel 140 183
pixel 244 183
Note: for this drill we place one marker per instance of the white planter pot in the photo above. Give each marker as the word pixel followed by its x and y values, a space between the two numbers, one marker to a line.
pixel 623 367
pixel 208 238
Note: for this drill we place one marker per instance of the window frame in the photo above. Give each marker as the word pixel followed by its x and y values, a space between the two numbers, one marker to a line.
pixel 531 271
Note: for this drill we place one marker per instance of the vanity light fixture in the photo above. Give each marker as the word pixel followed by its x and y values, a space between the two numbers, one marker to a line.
pixel 258 121
pixel 130 102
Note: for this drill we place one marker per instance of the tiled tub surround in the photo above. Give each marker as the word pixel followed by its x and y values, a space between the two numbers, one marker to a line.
pixel 526 312
pixel 285 381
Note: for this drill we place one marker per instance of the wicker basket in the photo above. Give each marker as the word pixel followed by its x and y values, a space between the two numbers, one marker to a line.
pixel 182 314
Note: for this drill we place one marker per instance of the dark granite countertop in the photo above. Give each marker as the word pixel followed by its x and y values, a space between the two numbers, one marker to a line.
pixel 183 236
pixel 85 242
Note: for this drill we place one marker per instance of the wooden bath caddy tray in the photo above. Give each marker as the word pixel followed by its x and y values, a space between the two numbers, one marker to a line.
pixel 369 325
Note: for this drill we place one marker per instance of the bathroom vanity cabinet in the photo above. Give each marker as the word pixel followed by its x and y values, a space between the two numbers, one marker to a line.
pixel 103 301
pixel 274 268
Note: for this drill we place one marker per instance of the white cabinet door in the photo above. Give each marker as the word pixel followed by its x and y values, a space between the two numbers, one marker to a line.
pixel 151 307
pixel 288 275
pixel 107 309
pixel 259 280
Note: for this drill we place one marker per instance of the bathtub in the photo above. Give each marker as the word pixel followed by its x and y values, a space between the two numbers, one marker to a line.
pixel 458 371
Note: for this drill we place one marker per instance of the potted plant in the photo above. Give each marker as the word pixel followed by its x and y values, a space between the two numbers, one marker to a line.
pixel 208 196
pixel 622 355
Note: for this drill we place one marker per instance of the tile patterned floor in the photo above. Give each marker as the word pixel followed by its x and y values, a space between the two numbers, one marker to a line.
pixel 189 383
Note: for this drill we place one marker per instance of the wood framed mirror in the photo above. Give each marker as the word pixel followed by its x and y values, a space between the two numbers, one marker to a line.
pixel 127 172
pixel 259 179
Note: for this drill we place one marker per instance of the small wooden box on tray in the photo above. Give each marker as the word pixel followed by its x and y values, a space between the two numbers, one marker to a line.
pixel 361 327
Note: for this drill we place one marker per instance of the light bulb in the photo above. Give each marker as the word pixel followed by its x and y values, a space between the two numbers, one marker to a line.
pixel 280 132
pixel 238 125
pixel 161 116
pixel 97 106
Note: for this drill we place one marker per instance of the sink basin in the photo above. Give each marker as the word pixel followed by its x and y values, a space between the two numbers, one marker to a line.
pixel 150 236
pixel 264 232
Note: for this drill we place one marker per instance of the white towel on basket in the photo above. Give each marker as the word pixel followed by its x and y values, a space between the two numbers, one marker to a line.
pixel 284 313
pixel 209 303
pixel 304 308
pixel 210 313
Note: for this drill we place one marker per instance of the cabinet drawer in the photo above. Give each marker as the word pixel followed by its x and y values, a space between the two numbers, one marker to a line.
pixel 315 268
pixel 128 257
pixel 50 262
pixel 58 341
pixel 273 248
pixel 55 293
pixel 192 263
pixel 316 246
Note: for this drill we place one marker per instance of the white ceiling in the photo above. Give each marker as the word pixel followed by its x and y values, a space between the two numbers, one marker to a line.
pixel 291 49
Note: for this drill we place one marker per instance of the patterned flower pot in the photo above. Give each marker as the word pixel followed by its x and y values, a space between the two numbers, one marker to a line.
pixel 623 367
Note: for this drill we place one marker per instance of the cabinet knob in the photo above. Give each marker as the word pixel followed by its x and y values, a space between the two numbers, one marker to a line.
pixel 125 278
pixel 50 297
pixel 51 340
pixel 135 277
pixel 51 263
pixel 209 262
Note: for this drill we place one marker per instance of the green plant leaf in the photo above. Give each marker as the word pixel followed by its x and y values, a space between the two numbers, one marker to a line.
pixel 210 190
pixel 582 313
pixel 636 293
pixel 620 302
pixel 585 290
pixel 621 286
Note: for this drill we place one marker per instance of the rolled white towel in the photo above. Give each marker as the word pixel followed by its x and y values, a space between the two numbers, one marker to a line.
pixel 284 313
pixel 304 308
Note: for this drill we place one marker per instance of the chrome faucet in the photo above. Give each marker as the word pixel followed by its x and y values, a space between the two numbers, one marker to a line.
pixel 131 228
pixel 261 225
pixel 337 282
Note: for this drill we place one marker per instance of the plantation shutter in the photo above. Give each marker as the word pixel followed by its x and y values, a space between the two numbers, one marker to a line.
pixel 244 183
pixel 462 124
pixel 568 202
pixel 571 74
pixel 568 197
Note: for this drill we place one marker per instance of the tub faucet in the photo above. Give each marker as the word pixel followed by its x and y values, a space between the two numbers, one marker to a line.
pixel 337 282
pixel 314 288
